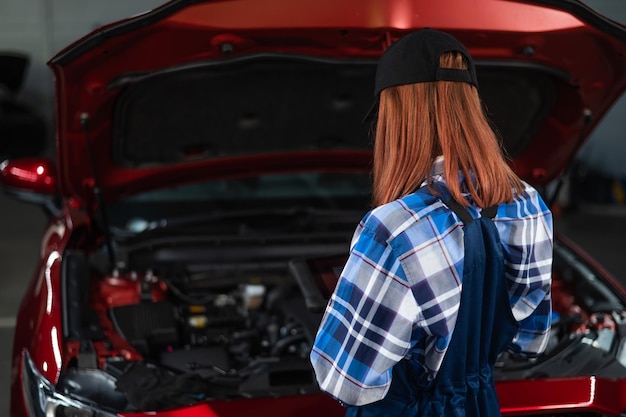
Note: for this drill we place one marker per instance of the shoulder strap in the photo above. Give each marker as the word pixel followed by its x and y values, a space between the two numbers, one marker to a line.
pixel 465 216
pixel 490 212
pixel 460 211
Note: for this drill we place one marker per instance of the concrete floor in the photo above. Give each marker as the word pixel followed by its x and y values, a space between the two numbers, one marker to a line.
pixel 599 230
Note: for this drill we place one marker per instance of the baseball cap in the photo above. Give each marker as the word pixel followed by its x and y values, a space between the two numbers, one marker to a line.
pixel 414 58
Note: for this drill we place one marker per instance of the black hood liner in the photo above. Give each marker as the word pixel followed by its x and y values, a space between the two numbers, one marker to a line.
pixel 269 104
pixel 260 105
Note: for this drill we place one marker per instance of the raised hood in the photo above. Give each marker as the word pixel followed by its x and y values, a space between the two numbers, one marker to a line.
pixel 194 90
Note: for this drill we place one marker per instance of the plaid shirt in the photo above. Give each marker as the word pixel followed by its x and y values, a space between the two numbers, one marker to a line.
pixel 400 289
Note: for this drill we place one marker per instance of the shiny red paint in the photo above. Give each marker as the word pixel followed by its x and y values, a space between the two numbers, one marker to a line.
pixel 481 15
pixel 590 61
pixel 34 174
pixel 588 394
pixel 302 406
pixel 39 326
pixel 114 291
pixel 41 322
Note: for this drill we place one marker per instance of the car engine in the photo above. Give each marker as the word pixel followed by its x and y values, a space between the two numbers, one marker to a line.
pixel 174 336
pixel 213 335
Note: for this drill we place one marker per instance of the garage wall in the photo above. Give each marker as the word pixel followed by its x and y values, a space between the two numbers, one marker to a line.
pixel 40 28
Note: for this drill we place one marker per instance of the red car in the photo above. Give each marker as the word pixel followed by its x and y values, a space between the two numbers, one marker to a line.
pixel 211 167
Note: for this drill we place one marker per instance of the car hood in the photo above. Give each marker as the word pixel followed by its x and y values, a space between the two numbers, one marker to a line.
pixel 196 90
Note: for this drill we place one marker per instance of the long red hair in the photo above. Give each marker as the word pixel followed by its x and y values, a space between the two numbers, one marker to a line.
pixel 419 122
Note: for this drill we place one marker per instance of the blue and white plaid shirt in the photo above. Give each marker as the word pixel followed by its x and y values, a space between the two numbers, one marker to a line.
pixel 400 289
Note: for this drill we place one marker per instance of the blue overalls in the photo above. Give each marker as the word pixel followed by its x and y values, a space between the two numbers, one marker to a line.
pixel 464 386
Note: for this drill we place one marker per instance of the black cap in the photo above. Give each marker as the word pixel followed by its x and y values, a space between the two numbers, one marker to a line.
pixel 414 58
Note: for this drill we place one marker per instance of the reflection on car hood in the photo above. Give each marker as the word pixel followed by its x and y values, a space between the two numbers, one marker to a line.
pixel 212 89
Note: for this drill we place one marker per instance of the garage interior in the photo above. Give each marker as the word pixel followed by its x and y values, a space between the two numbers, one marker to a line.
pixel 593 215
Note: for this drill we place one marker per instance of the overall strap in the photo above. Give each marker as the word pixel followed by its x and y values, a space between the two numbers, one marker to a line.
pixel 464 385
pixel 465 216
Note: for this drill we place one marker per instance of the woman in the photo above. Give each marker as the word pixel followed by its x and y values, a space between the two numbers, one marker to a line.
pixel 454 263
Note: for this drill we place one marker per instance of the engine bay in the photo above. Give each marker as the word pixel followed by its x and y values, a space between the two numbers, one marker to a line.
pixel 160 340
pixel 241 336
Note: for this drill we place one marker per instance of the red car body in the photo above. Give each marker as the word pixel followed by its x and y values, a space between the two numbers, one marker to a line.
pixel 582 52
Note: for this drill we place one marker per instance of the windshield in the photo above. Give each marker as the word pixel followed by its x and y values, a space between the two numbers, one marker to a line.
pixel 243 197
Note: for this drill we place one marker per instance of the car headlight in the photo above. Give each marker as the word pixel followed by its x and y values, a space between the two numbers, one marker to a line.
pixel 42 400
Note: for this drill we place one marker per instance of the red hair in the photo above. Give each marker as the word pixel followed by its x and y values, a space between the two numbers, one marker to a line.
pixel 419 122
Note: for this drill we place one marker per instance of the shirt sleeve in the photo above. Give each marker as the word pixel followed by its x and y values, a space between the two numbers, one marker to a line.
pixel 367 325
pixel 528 267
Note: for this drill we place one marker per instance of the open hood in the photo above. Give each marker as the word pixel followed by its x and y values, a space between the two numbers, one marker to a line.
pixel 195 90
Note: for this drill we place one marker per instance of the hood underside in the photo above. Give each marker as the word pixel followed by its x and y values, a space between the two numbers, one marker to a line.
pixel 214 89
